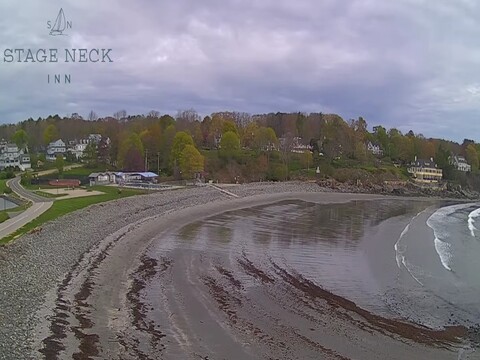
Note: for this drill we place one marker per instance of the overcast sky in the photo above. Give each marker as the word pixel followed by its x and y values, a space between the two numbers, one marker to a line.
pixel 410 64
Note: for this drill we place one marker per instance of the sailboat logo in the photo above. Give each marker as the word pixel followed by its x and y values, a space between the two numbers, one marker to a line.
pixel 60 24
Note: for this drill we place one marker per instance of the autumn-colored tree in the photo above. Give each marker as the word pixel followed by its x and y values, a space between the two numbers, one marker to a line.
pixel 180 140
pixel 248 134
pixel 132 141
pixel 229 146
pixel 133 160
pixel 191 161
pixel 50 134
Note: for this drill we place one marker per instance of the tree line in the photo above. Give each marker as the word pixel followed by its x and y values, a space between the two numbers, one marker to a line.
pixel 239 143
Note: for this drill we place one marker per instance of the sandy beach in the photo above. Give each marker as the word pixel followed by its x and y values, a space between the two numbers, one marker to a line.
pixel 174 275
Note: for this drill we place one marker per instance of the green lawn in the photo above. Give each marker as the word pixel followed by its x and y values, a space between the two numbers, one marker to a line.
pixel 3 185
pixel 62 207
pixel 82 171
pixel 3 216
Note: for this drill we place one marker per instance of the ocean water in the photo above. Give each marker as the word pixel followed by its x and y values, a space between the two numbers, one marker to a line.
pixel 440 249
pixel 416 260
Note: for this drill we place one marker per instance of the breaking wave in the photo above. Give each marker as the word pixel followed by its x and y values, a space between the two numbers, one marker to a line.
pixel 439 222
pixel 471 221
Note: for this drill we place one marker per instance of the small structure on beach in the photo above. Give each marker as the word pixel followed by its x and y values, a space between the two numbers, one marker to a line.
pixel 142 177
pixel 102 178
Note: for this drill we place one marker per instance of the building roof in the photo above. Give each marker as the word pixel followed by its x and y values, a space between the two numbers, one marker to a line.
pixel 147 174
pixel 95 174
pixel 424 163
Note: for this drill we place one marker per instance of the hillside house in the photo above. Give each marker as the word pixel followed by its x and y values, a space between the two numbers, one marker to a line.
pixel 12 156
pixel 425 171
pixel 460 163
pixel 374 149
pixel 55 148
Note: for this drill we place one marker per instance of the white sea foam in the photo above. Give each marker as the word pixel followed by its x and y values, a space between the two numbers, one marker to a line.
pixel 443 251
pixel 410 271
pixel 401 248
pixel 471 220
pixel 439 222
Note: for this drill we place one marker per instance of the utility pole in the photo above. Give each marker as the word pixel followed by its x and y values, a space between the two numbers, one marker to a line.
pixel 158 163
pixel 146 159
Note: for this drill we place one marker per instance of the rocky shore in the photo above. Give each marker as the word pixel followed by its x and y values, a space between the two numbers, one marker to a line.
pixel 38 264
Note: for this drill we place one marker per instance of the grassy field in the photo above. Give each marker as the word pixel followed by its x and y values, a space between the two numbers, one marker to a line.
pixel 3 186
pixel 3 216
pixel 62 207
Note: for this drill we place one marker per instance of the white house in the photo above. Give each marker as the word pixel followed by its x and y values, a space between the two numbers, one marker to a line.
pixel 55 148
pixel 374 149
pixel 460 163
pixel 94 138
pixel 77 148
pixel 12 156
pixel 296 146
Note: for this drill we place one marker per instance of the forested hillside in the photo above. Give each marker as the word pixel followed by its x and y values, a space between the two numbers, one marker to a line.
pixel 239 146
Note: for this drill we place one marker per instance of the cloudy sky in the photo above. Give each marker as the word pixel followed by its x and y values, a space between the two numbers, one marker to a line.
pixel 411 64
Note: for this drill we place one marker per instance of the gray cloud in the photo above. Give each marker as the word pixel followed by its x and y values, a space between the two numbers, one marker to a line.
pixel 411 64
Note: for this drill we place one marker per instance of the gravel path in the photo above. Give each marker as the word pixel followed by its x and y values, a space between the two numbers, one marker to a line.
pixel 35 264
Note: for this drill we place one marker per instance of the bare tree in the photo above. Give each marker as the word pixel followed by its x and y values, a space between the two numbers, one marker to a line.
pixel 185 119
pixel 92 116
pixel 189 116
pixel 154 114
pixel 120 115
pixel 286 146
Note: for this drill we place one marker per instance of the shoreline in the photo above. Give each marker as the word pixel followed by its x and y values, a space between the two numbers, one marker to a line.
pixel 77 239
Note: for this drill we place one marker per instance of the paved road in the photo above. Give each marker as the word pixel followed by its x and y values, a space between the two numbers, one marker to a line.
pixel 12 225
pixel 40 205
pixel 14 184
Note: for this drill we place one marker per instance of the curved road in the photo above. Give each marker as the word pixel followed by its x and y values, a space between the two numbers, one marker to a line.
pixel 14 184
pixel 40 205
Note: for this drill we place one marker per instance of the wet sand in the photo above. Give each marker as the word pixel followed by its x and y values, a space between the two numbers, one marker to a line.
pixel 166 288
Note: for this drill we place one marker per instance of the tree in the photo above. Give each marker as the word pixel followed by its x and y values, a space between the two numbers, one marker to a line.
pixel 92 116
pixel 120 115
pixel 133 160
pixel 229 126
pixel 59 163
pixel 229 145
pixel 306 159
pixel 472 157
pixel 166 121
pixel 153 114
pixel 90 155
pixel 20 138
pixel 180 140
pixel 132 141
pixel 50 134
pixel 191 161
pixel 265 138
